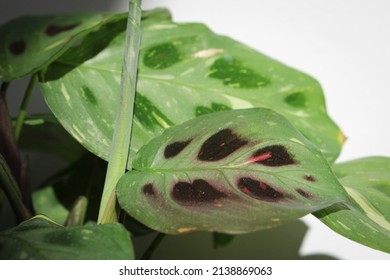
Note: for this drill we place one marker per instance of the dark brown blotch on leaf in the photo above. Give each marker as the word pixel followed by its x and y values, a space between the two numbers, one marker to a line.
pixel 309 178
pixel 220 145
pixel 303 193
pixel 148 190
pixel 199 191
pixel 259 190
pixel 175 148
pixel 275 155
pixel 17 47
pixel 53 30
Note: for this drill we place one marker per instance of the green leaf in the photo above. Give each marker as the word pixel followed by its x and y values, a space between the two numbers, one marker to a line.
pixel 231 172
pixel 367 218
pixel 45 134
pixel 185 71
pixel 56 197
pixel 156 14
pixel 47 202
pixel 40 238
pixel 31 42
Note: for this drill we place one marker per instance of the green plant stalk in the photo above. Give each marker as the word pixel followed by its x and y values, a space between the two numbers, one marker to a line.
pixel 11 190
pixel 23 107
pixel 120 145
pixel 153 246
pixel 79 210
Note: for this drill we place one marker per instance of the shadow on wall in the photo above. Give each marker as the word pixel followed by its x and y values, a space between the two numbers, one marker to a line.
pixel 280 243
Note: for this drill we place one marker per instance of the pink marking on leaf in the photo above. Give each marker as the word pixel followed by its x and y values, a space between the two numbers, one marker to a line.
pixel 261 157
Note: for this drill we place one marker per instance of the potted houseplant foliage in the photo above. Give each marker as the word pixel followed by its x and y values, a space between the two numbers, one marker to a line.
pixel 207 135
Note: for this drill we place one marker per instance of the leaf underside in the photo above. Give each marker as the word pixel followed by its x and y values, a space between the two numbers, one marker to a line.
pixel 185 71
pixel 367 218
pixel 231 172
pixel 41 239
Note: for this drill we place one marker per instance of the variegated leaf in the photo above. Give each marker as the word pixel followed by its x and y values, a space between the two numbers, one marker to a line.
pixel 40 239
pixel 27 50
pixel 232 172
pixel 367 217
pixel 185 71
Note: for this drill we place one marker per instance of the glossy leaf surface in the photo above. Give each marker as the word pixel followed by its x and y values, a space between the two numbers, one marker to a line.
pixel 231 172
pixel 367 218
pixel 41 239
pixel 26 50
pixel 185 71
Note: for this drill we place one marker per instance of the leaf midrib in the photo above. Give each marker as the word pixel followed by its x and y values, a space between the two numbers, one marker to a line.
pixel 222 170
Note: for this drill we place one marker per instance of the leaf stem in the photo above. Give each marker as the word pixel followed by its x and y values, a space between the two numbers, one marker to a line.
pixel 153 246
pixel 11 190
pixel 23 107
pixel 120 145
pixel 77 214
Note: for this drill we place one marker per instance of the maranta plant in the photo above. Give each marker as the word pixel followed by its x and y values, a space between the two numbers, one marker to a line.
pixel 235 171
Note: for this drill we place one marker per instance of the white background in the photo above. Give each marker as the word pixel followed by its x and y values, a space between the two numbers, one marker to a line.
pixel 344 44
pixel 281 270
